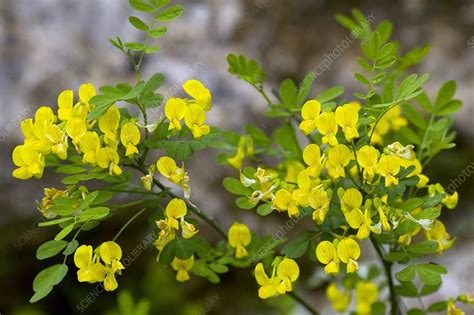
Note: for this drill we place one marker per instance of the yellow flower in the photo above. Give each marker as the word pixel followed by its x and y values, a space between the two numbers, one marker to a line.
pixel 57 141
pixel 327 126
pixel 111 253
pixel 86 92
pixel 168 168
pixel 89 269
pixel 194 120
pixel 339 157
pixel 286 201
pixel 351 199
pixel 312 158
pixel 366 295
pixel 310 112
pixel 327 255
pixel 50 194
pixel 452 309
pixel 245 148
pixel 451 201
pixel 347 118
pixel 29 162
pixel 438 233
pixel 182 266
pixel 239 236
pixel 367 157
pixel 319 201
pixel 109 124
pixel 65 102
pixel 109 158
pixel 76 128
pixel 403 152
pixel 130 137
pixel 89 144
pixel 281 280
pixel 187 229
pixel 287 272
pixel 200 94
pixel 349 251
pixel 268 286
pixel 176 209
pixel 388 167
pixel 175 110
pixel 339 300
pixel 360 221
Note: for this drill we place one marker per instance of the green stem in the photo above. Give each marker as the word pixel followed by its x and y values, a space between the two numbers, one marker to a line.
pixel 388 272
pixel 378 120
pixel 425 137
pixel 128 223
pixel 129 204
pixel 73 238
pixel 305 304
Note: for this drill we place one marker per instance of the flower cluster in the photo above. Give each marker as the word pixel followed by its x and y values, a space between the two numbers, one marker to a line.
pixel 285 271
pixel 99 265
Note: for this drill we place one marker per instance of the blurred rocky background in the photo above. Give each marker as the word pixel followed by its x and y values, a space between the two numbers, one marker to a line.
pixel 50 45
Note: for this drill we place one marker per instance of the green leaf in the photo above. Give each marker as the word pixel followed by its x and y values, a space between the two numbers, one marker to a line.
pixel 424 101
pixel 234 186
pixel 288 93
pixel 45 281
pixel 284 137
pixel 178 150
pixel 134 46
pixel 330 94
pixel 137 23
pixel 264 209
pixel 218 268
pixel 183 248
pixel 259 137
pixel 425 247
pixel 305 88
pixel 395 256
pixel 50 249
pixel 71 247
pixel 54 222
pixel 96 213
pixel 429 214
pixel 416 311
pixel 70 169
pixel 64 232
pixel 438 306
pixel 244 203
pixel 407 289
pixel 159 3
pixel 409 136
pixel 141 6
pixel 152 49
pixel 430 273
pixel 414 116
pixel 411 204
pixel 158 31
pixel 407 273
pixel 445 94
pixel 297 248
pixel 154 82
pixel 245 69
pixel 169 13
pixel 449 108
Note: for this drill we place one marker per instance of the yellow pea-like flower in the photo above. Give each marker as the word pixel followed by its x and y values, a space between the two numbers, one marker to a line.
pixel 339 157
pixel 288 272
pixel 182 266
pixel 201 95
pixel 310 112
pixel 451 201
pixel 244 149
pixel 28 161
pixel 194 120
pixel 45 114
pixel 452 309
pixel 312 158
pixel 286 201
pixel 111 253
pixel 130 137
pixel 76 128
pixel 168 168
pixel 89 144
pixel 438 233
pixel 362 222
pixel 109 158
pixel 239 236
pixel 327 126
pixel 86 92
pixel 349 251
pixel 339 300
pixel 268 285
pixel 367 157
pixel 65 105
pixel 351 199
pixel 109 123
pixel 58 141
pixel 347 117
pixel 188 230
pixel 175 110
pixel 366 295
pixel 89 270
pixel 327 255
pixel 388 167
pixel 176 209
pixel 319 200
